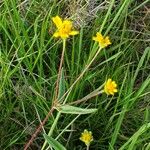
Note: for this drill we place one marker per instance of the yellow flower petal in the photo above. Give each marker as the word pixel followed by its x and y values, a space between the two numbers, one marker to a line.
pixel 56 34
pixel 115 90
pixel 58 22
pixel 74 33
pixel 107 40
pixel 94 38
pixel 64 36
pixel 109 81
pixel 67 22
pixel 99 36
pixel 111 93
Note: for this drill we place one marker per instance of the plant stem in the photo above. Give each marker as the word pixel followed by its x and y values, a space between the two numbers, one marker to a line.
pixel 38 129
pixel 89 96
pixel 81 75
pixel 88 146
pixel 56 93
pixel 59 71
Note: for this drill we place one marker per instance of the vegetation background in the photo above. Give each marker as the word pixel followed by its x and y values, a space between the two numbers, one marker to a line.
pixel 29 60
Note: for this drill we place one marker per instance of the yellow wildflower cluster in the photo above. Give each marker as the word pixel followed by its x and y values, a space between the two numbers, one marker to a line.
pixel 86 137
pixel 110 87
pixel 103 41
pixel 64 28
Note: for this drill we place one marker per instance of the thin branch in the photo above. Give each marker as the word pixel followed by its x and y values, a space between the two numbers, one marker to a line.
pixel 39 129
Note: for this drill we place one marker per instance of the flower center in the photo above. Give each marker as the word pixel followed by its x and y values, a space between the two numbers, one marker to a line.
pixel 110 87
pixel 66 28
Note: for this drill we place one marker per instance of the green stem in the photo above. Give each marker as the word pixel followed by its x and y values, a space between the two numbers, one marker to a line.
pixel 60 67
pixel 88 146
pixel 87 97
pixel 56 94
pixel 81 75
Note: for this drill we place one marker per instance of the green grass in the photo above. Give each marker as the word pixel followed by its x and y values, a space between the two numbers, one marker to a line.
pixel 29 62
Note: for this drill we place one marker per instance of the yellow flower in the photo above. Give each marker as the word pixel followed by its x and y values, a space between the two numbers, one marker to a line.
pixel 110 87
pixel 103 41
pixel 64 28
pixel 86 137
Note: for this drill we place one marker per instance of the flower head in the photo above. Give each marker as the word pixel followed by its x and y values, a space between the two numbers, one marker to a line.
pixel 110 87
pixel 86 137
pixel 103 41
pixel 64 28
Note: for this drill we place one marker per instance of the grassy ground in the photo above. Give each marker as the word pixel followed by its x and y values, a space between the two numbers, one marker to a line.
pixel 29 61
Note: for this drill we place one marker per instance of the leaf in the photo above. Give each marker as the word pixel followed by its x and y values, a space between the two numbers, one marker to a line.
pixel 53 143
pixel 61 91
pixel 67 109
pixel 132 141
pixel 141 62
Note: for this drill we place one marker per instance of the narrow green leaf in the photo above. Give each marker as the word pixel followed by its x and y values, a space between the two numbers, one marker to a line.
pixel 147 147
pixel 61 91
pixel 67 109
pixel 132 141
pixel 140 64
pixel 53 143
